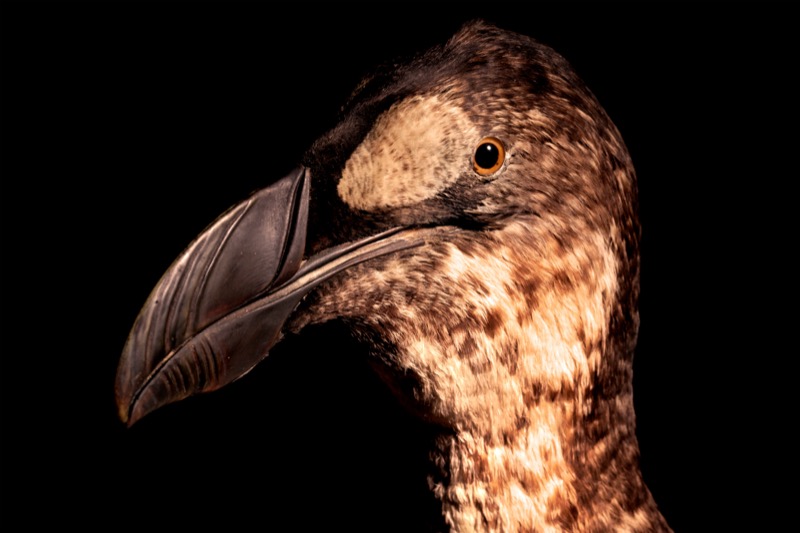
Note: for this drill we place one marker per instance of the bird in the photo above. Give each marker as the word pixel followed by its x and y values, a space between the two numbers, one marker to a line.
pixel 472 220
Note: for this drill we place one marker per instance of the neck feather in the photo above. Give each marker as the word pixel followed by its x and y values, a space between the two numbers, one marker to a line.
pixel 558 471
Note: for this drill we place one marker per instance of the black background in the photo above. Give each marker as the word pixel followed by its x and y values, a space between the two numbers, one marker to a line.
pixel 127 128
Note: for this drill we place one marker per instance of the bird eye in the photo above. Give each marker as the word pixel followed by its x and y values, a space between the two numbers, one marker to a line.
pixel 489 156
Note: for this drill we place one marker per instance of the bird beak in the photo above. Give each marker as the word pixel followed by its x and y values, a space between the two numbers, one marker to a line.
pixel 222 304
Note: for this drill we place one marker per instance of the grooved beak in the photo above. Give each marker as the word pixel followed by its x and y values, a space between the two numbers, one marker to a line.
pixel 220 307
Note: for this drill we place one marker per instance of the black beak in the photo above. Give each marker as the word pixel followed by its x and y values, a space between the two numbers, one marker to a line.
pixel 220 307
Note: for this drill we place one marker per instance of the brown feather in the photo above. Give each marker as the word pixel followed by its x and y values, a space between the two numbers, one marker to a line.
pixel 513 328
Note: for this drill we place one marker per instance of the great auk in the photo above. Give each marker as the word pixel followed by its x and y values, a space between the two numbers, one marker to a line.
pixel 472 219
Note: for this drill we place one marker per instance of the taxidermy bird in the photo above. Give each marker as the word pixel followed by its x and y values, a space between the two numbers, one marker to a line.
pixel 472 219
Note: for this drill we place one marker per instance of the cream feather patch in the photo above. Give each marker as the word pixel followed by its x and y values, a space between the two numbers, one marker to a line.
pixel 415 150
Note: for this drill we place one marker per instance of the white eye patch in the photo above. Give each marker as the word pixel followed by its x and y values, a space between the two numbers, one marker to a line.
pixel 416 149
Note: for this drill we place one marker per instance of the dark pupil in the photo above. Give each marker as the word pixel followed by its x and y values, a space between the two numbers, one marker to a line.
pixel 486 155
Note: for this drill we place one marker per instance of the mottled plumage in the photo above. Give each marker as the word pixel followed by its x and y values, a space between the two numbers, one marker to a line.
pixel 503 308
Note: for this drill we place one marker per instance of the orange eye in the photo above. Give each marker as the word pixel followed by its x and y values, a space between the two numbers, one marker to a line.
pixel 489 156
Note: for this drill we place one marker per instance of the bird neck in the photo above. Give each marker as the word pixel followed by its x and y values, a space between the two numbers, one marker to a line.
pixel 565 468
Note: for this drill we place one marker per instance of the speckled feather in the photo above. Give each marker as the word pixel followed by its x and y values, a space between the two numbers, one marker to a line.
pixel 513 328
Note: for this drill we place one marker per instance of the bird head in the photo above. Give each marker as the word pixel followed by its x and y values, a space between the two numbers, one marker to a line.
pixel 471 218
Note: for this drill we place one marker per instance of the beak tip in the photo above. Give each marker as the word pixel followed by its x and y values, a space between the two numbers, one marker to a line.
pixel 123 409
pixel 131 414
